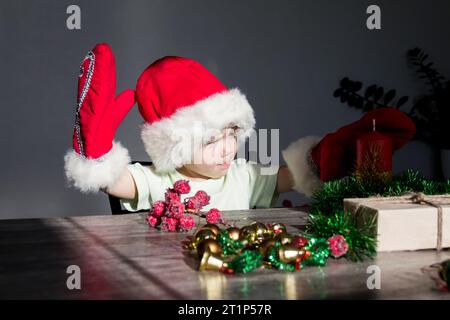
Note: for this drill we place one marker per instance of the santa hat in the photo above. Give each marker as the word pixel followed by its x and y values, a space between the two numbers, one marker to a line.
pixel 182 104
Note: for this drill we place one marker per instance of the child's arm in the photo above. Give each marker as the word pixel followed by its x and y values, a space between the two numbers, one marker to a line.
pixel 284 180
pixel 124 187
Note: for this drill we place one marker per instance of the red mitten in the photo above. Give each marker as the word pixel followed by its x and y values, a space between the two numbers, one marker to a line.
pixel 312 160
pixel 97 161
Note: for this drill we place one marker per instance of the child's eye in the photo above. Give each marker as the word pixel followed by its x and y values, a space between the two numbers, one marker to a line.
pixel 210 142
pixel 230 133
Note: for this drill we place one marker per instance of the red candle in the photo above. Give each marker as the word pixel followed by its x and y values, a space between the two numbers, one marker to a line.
pixel 376 147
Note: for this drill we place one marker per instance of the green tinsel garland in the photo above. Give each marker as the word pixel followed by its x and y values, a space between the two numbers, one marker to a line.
pixel 247 261
pixel 228 245
pixel 319 252
pixel 327 216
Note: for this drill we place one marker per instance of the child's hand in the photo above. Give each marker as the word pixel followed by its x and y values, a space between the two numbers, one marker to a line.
pixel 285 180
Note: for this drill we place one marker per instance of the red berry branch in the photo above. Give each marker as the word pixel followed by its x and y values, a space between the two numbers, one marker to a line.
pixel 173 214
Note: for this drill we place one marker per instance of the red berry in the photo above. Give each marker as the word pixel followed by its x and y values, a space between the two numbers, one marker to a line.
pixel 192 204
pixel 169 224
pixel 203 198
pixel 153 221
pixel 186 223
pixel 182 186
pixel 171 196
pixel 175 210
pixel 338 246
pixel 158 208
pixel 213 216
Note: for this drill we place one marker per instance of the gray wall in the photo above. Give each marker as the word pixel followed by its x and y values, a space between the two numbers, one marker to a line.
pixel 287 56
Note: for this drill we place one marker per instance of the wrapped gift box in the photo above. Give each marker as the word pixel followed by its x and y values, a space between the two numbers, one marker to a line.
pixel 401 224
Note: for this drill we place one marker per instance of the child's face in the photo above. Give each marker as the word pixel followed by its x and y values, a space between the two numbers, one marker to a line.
pixel 214 158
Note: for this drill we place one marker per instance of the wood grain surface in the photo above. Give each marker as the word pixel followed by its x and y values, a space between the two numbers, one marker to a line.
pixel 120 257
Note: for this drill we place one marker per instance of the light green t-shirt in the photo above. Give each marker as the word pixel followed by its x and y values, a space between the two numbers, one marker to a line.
pixel 246 185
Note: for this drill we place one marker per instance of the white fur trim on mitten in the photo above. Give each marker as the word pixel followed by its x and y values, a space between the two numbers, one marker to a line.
pixel 91 175
pixel 298 159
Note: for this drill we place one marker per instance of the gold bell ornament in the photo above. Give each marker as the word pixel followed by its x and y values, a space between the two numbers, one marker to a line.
pixel 210 245
pixel 211 261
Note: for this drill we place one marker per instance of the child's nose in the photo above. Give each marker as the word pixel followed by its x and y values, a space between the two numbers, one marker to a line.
pixel 227 148
pixel 225 151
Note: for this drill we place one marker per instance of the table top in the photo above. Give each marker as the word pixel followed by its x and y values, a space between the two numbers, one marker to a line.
pixel 120 257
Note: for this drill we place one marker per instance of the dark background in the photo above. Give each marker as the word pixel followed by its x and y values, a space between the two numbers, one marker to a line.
pixel 287 56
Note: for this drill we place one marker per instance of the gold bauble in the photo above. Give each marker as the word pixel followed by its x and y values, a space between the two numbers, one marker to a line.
pixel 262 233
pixel 284 238
pixel 210 245
pixel 265 246
pixel 233 232
pixel 201 235
pixel 247 235
pixel 211 226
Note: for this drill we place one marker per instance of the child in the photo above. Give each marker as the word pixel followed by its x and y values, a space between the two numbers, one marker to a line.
pixel 193 127
pixel 233 184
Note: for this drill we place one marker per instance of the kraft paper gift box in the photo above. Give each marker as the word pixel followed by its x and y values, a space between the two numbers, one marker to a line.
pixel 401 224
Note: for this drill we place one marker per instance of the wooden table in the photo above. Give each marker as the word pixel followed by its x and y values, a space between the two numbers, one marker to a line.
pixel 121 258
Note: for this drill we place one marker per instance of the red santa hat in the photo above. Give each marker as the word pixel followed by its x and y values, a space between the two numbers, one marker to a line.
pixel 182 104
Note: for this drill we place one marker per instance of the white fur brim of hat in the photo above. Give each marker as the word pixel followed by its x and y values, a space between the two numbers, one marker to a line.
pixel 298 159
pixel 170 142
